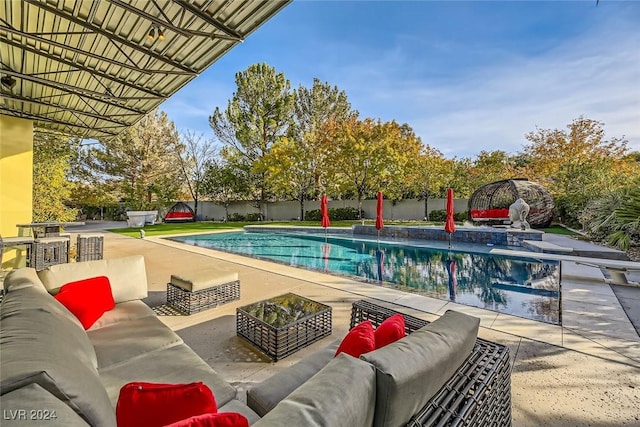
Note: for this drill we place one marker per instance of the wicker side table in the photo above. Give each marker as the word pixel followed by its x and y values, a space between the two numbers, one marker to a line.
pixel 202 291
pixel 282 325
pixel 89 247
pixel 50 251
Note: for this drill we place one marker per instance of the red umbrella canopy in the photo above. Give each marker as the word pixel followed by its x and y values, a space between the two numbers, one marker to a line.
pixel 453 282
pixel 450 225
pixel 379 220
pixel 324 210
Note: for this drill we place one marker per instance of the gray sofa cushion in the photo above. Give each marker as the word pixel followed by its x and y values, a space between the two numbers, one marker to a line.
pixel 125 341
pixel 411 370
pixel 264 396
pixel 177 364
pixel 41 346
pixel 32 405
pixel 122 312
pixel 127 276
pixel 30 313
pixel 342 394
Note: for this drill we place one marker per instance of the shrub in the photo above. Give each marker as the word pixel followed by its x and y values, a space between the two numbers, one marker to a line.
pixel 314 215
pixel 337 214
pixel 236 217
pixel 461 216
pixel 568 209
pixel 254 217
pixel 343 214
pixel 439 215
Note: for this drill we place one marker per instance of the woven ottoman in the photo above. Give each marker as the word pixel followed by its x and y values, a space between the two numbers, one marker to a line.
pixel 202 290
pixel 50 251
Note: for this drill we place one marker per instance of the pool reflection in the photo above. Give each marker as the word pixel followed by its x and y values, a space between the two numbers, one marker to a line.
pixel 523 287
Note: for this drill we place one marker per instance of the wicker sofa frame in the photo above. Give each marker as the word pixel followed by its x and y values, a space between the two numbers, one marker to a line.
pixel 479 394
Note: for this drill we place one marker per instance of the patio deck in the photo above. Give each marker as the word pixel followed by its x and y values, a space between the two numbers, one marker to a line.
pixel 586 372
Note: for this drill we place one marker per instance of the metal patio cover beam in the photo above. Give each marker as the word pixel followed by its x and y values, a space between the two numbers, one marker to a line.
pixel 89 68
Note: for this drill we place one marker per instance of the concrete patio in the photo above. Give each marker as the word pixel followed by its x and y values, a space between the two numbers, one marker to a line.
pixel 584 373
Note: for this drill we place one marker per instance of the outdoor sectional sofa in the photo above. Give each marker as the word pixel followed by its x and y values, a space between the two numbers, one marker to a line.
pixel 50 363
pixel 440 374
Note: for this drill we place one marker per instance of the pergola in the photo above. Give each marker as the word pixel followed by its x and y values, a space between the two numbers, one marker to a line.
pixel 91 68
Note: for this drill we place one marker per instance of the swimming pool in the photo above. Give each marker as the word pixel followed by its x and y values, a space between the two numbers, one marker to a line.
pixel 524 287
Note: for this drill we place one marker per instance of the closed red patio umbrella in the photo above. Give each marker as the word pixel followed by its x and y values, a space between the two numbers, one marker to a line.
pixel 380 260
pixel 453 282
pixel 326 254
pixel 324 211
pixel 450 225
pixel 379 219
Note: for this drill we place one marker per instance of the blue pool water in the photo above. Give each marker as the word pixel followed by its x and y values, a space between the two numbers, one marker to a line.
pixel 524 287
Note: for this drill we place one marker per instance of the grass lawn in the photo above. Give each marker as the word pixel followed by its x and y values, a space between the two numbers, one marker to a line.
pixel 204 226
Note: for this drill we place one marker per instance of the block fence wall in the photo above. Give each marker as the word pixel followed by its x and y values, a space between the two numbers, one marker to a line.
pixel 410 209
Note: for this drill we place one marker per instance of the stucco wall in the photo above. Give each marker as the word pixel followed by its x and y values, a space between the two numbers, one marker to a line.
pixel 16 180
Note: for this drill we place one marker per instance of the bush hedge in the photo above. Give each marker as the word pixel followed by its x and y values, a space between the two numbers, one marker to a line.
pixel 438 215
pixel 337 214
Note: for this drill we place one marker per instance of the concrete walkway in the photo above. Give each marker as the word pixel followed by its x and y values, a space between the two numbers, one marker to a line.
pixel 584 373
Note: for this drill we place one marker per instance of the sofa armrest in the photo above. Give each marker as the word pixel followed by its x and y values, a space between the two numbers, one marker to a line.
pixel 479 392
pixel 263 397
pixel 33 405
pixel 23 278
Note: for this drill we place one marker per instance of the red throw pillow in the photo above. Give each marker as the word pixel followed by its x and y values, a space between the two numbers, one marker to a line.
pixel 390 330
pixel 143 404
pixel 359 340
pixel 221 419
pixel 87 299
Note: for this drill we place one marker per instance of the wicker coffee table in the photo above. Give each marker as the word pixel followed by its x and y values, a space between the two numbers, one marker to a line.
pixel 282 325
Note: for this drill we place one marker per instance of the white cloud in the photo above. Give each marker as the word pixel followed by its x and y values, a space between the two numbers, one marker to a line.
pixel 597 76
pixel 461 107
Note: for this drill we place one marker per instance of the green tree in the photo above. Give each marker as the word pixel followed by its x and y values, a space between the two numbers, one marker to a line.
pixel 367 155
pixel 297 163
pixel 193 159
pixel 223 182
pixel 430 175
pixel 491 166
pixel 141 162
pixel 575 165
pixel 257 115
pixel 52 157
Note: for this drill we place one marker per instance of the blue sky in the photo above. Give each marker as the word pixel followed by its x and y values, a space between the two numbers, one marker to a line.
pixel 466 76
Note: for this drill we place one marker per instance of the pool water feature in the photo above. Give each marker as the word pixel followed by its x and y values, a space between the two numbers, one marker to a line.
pixel 524 287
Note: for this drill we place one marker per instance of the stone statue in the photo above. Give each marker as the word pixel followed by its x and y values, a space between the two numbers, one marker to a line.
pixel 518 212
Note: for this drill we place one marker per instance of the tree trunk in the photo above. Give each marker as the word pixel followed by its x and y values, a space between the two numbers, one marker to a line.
pixel 359 205
pixel 301 208
pixel 195 209
pixel 426 207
